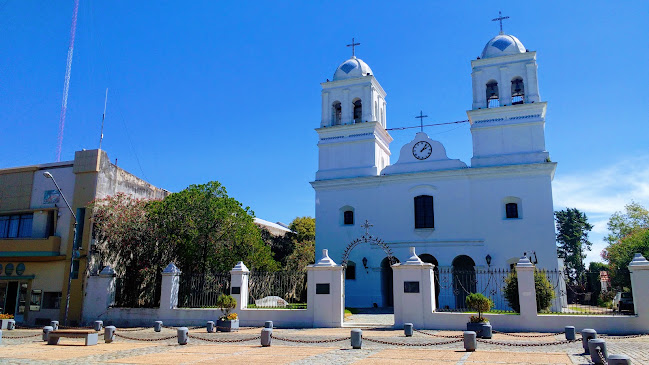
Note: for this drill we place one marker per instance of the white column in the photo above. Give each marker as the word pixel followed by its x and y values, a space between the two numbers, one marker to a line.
pixel 479 97
pixel 326 110
pixel 239 285
pixel 526 288
pixel 532 86
pixel 639 268
pixel 504 87
pixel 346 108
pixel 100 294
pixel 169 287
pixel 325 292
pixel 367 104
pixel 414 293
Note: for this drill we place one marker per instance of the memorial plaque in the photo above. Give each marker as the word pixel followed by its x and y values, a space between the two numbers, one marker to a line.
pixel 236 290
pixel 322 288
pixel 411 287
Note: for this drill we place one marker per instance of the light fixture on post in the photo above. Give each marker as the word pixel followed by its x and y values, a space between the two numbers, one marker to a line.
pixel 536 260
pixel 75 251
pixel 488 259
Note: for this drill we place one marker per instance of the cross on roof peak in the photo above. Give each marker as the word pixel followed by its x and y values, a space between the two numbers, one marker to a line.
pixel 421 117
pixel 500 19
pixel 353 45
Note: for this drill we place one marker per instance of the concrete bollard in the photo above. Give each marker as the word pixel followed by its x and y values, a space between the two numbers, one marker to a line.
pixel 407 329
pixel 357 338
pixel 157 326
pixel 266 336
pixel 593 346
pixel 570 333
pixel 587 334
pixel 98 325
pixel 183 335
pixel 210 326
pixel 54 325
pixel 470 341
pixel 109 334
pixel 46 332
pixel 11 324
pixel 486 331
pixel 268 324
pixel 618 360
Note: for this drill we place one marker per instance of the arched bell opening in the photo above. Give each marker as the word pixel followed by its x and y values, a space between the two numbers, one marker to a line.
pixel 336 113
pixel 358 111
pixel 464 279
pixel 493 96
pixel 518 91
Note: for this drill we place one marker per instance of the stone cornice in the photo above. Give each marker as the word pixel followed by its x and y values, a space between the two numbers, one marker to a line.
pixel 353 82
pixel 491 61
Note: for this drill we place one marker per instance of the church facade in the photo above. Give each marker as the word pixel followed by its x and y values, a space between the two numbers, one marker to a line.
pixel 457 215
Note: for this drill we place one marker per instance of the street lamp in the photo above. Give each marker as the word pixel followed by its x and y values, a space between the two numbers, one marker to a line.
pixel 75 251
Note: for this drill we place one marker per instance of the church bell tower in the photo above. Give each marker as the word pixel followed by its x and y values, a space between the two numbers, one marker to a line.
pixel 353 141
pixel 508 116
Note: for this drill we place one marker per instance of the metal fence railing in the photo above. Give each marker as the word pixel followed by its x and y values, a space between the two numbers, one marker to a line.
pixel 131 293
pixel 452 286
pixel 202 290
pixel 281 289
pixel 582 294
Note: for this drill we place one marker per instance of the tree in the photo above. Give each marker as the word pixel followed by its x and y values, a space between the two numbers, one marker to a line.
pixel 572 238
pixel 619 255
pixel 542 287
pixel 211 231
pixel 304 228
pixel 622 224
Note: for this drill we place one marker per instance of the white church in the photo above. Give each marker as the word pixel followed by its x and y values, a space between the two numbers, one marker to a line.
pixel 457 215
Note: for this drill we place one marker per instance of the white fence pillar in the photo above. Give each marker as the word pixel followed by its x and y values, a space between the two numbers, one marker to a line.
pixel 239 285
pixel 526 288
pixel 414 295
pixel 100 294
pixel 639 268
pixel 325 292
pixel 169 288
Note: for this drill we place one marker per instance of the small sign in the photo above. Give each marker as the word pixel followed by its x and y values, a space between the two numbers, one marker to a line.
pixel 236 290
pixel 322 288
pixel 411 287
pixel 51 197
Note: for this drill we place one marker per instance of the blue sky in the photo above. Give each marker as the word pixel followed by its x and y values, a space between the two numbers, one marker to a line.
pixel 206 90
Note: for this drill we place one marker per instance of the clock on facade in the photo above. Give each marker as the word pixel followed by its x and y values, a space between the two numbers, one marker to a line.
pixel 422 150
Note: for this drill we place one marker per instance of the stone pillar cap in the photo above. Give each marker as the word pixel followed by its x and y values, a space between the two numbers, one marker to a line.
pixel 240 267
pixel 524 262
pixel 639 262
pixel 414 259
pixel 325 261
pixel 107 272
pixel 171 269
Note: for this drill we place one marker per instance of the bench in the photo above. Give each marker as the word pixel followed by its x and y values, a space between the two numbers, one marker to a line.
pixel 89 335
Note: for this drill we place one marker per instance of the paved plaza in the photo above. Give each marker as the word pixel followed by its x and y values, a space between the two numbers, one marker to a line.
pixel 305 346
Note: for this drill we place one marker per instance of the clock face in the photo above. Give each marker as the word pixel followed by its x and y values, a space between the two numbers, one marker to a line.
pixel 422 150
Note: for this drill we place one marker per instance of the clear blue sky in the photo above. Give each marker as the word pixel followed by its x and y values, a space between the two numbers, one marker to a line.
pixel 229 91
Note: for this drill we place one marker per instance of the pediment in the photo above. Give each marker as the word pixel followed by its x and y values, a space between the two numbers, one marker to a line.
pixel 423 154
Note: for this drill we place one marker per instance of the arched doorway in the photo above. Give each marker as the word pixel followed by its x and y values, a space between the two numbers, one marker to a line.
pixel 430 259
pixel 464 280
pixel 387 290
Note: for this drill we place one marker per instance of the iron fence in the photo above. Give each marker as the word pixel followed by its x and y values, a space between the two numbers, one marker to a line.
pixel 202 290
pixel 452 286
pixel 133 293
pixel 581 294
pixel 280 289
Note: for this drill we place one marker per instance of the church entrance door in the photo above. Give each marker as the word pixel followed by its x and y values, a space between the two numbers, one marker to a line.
pixel 464 280
pixel 430 259
pixel 387 292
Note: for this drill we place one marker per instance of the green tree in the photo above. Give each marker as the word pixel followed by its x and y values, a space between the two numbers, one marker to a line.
pixel 620 253
pixel 542 287
pixel 211 231
pixel 304 229
pixel 621 224
pixel 572 239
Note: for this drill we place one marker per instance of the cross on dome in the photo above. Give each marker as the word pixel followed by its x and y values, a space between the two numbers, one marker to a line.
pixel 353 45
pixel 500 19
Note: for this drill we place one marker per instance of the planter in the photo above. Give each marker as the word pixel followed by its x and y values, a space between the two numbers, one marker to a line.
pixel 227 326
pixel 476 327
pixel 4 323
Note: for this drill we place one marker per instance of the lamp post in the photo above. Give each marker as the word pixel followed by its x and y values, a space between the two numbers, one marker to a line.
pixel 75 251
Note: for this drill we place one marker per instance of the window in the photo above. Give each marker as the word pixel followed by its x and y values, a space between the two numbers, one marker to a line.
pixel 492 94
pixel 348 217
pixel 424 217
pixel 75 269
pixel 16 226
pixel 518 91
pixel 350 271
pixel 51 300
pixel 336 113
pixel 511 210
pixel 358 111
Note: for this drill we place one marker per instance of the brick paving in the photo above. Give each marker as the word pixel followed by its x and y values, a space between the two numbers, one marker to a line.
pixel 24 346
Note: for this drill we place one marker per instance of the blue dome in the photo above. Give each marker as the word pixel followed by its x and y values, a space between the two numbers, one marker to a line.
pixel 352 68
pixel 502 45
